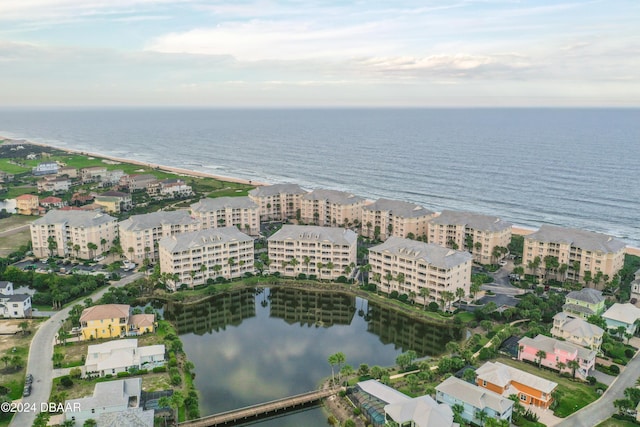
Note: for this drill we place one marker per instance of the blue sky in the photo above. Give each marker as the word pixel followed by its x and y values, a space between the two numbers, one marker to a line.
pixel 320 53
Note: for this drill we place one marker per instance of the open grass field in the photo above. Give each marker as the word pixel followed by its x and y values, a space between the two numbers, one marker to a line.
pixel 10 242
pixel 572 395
pixel 612 422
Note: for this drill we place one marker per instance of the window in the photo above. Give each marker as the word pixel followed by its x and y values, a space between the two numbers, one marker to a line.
pixel 523 397
pixel 484 383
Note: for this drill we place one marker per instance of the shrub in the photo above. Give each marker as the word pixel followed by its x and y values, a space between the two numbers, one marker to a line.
pixel 629 353
pixel 356 411
pixel 173 362
pixel 615 369
pixel 591 380
pixel 159 369
pixel 123 374
pixel 75 373
pixel 433 306
pixel 176 379
pixel 66 381
pixel 108 376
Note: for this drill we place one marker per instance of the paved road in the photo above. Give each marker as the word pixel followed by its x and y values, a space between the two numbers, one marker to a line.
pixel 603 408
pixel 40 364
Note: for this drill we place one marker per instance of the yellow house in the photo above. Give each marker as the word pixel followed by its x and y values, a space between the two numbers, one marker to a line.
pixel 114 320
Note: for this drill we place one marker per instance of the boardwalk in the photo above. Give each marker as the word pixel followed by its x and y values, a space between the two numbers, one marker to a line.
pixel 260 410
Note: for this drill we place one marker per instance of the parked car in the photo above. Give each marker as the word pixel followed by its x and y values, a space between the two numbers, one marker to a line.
pixel 99 258
pixel 27 390
pixel 28 379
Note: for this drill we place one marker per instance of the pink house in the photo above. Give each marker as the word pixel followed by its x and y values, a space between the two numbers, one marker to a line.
pixel 556 351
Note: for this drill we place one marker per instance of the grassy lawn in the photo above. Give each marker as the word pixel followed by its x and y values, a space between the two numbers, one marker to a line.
pixel 15 221
pixel 12 242
pixel 612 422
pixel 11 168
pixel 572 396
pixel 13 192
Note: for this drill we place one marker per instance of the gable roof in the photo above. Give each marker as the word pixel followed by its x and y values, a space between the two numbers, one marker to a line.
pixel 578 327
pixel 314 233
pixel 423 411
pixel 502 376
pixel 273 190
pixel 156 219
pixel 382 392
pixel 471 219
pixel 104 311
pixel 334 196
pixel 208 205
pixel 583 239
pixel 398 208
pixel 476 396
pixel 195 239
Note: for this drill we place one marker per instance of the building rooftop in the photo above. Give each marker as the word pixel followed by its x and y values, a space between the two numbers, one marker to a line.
pixel 578 327
pixel 156 219
pixel 219 203
pixel 4 284
pixel 476 396
pixel 142 320
pixel 502 375
pixel 575 308
pixel 588 295
pixel 473 220
pixel 131 417
pixel 334 196
pixel 195 239
pixel 625 313
pixel 428 252
pixel 583 239
pixel 382 392
pixel 116 194
pixel 421 411
pixel 104 311
pixel 26 197
pixel 398 208
pixel 51 200
pixel 15 297
pixel 312 233
pixel 112 393
pixel 74 218
pixel 272 190
pixel 552 346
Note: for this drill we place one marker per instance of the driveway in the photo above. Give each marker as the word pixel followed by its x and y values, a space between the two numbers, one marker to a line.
pixel 603 408
pixel 40 364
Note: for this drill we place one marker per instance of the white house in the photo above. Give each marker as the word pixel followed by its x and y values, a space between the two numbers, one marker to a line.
pixel 12 305
pixel 622 315
pixel 119 356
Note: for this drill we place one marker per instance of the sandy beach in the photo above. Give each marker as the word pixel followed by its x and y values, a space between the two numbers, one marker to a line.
pixel 175 170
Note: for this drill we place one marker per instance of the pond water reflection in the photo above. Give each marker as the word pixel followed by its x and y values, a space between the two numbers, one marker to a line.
pixel 252 346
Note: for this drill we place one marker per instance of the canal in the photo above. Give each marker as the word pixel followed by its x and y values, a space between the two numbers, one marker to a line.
pixel 253 346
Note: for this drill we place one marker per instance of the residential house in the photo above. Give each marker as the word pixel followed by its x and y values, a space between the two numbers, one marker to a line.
pixel 475 400
pixel 577 331
pixel 196 258
pixel 622 315
pixel 477 233
pixel 241 212
pixel 331 208
pixel 381 405
pixel 505 380
pixel 115 201
pixel 406 266
pixel 45 168
pixel 6 177
pixel 27 204
pixel 113 357
pixel 119 399
pixel 52 202
pixel 12 305
pixel 556 351
pixel 635 289
pixel 138 182
pixel 93 173
pixel 170 188
pixel 327 253
pixel 79 233
pixel 140 234
pixel 278 202
pixel 584 303
pixel 385 218
pixel 54 184
pixel 114 320
pixel 588 256
pixel 111 177
pixel 80 199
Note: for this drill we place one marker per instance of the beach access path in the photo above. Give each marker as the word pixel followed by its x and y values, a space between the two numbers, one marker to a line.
pixel 40 363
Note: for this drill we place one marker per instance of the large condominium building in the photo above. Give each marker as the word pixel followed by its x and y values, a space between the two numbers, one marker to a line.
pixel 81 234
pixel 193 258
pixel 239 212
pixel 476 233
pixel 407 266
pixel 331 208
pixel 385 218
pixel 140 234
pixel 320 251
pixel 587 255
pixel 278 202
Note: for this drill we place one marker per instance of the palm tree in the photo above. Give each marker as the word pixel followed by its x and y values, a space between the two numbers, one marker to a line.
pixel 448 296
pixel 24 325
pixel 346 372
pixel 400 279
pixel 52 245
pixel 332 362
pixel 366 269
pixel 541 355
pixel 460 293
pixel 293 262
pixel 560 366
pixel 319 267
pixel 306 261
pixel 6 359
pixel 573 365
pixel 388 277
pixel 424 293
pixel 340 359
pixel 103 242
pixel 92 247
pixel 475 288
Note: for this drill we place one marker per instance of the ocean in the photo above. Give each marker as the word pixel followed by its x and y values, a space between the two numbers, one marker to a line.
pixel 569 167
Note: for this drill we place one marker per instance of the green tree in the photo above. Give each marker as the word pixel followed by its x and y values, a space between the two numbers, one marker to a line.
pixel 541 355
pixel 24 325
pixel 424 293
pixel 573 365
pixel 57 359
pixel 92 248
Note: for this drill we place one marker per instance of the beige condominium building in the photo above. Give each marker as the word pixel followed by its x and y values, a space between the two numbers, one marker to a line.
pixel 80 234
pixel 587 256
pixel 241 212
pixel 140 234
pixel 193 258
pixel 476 233
pixel 407 266
pixel 385 218
pixel 331 208
pixel 312 250
pixel 278 202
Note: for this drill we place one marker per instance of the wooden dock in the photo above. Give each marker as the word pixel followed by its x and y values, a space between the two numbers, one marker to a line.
pixel 247 413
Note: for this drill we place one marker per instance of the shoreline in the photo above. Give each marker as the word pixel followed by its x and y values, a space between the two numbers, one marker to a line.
pixel 518 230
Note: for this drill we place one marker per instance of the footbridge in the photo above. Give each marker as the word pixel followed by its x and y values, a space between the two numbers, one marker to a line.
pixel 262 410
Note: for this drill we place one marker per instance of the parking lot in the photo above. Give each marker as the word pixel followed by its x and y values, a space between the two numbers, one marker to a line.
pixel 67 267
